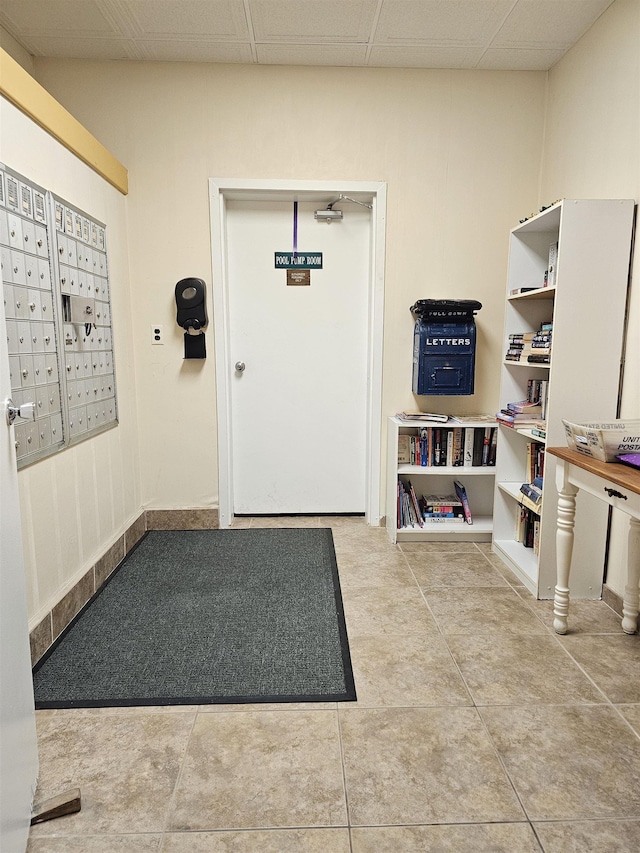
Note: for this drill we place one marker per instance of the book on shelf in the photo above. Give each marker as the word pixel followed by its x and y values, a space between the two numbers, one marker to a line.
pixel 539 359
pixel 469 433
pixel 524 407
pixel 517 291
pixel 453 446
pixel 408 514
pixel 551 268
pixel 532 492
pixel 540 431
pixel 526 522
pixel 472 419
pixel 464 500
pixel 404 449
pixel 522 345
pixel 440 508
pixel 518 418
pixel 493 448
pixel 422 416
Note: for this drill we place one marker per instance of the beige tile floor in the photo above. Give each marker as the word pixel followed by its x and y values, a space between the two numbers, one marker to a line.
pixel 476 729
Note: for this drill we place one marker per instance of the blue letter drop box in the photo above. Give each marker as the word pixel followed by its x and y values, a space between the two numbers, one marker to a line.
pixel 444 347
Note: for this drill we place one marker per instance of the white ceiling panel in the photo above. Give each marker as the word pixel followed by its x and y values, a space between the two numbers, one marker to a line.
pixel 201 51
pixel 500 34
pixel 416 56
pixel 223 20
pixel 441 22
pixel 511 59
pixel 548 23
pixel 53 17
pixel 83 48
pixel 311 54
pixel 312 20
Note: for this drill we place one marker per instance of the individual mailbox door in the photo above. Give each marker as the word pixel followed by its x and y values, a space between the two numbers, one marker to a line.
pixel 46 305
pixel 44 432
pixel 24 336
pixel 42 249
pixel 56 428
pixel 5 263
pixel 29 238
pixel 4 229
pixel 14 224
pixel 31 270
pixel 40 369
pixel 44 275
pixel 42 401
pixel 12 337
pixel 9 304
pixel 18 271
pixel 35 306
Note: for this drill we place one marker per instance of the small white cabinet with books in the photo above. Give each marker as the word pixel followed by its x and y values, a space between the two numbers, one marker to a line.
pixel 564 329
pixel 425 460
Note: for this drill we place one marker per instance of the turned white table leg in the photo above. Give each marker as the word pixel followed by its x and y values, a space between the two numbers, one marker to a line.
pixel 632 589
pixel 564 548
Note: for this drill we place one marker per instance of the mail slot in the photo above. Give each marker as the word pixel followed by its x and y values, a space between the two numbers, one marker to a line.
pixel 444 347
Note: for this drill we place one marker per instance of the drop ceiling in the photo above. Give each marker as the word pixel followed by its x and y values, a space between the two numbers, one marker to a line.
pixel 484 34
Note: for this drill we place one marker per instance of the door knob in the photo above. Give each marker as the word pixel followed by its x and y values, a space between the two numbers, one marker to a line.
pixel 27 411
pixel 240 366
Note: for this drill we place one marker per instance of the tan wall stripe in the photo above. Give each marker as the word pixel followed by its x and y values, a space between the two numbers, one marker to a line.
pixel 17 86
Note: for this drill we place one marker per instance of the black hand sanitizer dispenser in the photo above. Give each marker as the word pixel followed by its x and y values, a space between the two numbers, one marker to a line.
pixel 191 296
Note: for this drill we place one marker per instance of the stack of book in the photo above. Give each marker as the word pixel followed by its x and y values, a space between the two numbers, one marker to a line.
pixel 531 495
pixel 524 414
pixel 441 508
pixel 532 347
pixel 414 512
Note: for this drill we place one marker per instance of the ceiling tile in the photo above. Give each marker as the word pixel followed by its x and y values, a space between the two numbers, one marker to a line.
pixel 311 54
pixel 548 23
pixel 83 48
pixel 172 50
pixel 510 59
pixel 223 19
pixel 312 20
pixel 66 17
pixel 417 56
pixel 441 22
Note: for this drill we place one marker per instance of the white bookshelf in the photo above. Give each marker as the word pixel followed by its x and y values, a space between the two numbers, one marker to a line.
pixel 587 308
pixel 478 482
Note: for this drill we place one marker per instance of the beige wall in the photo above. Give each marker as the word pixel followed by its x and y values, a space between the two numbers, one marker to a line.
pixel 460 152
pixel 75 504
pixel 592 150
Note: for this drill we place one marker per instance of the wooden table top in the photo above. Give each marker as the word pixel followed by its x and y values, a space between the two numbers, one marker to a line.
pixel 615 472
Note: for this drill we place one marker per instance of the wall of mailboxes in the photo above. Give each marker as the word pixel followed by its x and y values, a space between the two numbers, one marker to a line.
pixel 55 280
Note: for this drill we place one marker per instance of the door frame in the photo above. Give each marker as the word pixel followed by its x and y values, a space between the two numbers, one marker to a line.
pixel 222 190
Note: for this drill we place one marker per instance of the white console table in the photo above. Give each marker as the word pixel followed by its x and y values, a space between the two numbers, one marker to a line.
pixel 615 484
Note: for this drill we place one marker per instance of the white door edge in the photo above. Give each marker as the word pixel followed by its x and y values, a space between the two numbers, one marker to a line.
pixel 220 190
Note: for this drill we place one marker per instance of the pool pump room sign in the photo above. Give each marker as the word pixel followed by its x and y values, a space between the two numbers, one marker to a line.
pixel 298 260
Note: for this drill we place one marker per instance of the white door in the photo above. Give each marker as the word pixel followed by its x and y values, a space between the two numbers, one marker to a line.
pixel 18 745
pixel 299 407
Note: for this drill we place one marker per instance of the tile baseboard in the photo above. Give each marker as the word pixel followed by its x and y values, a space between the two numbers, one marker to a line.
pixel 49 628
pixel 182 519
pixel 612 599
